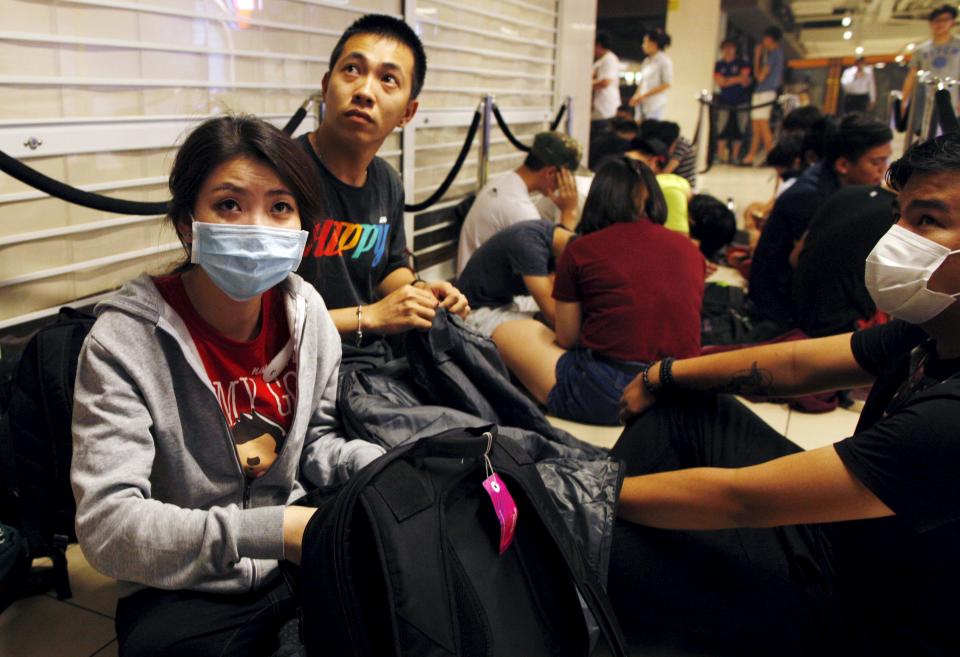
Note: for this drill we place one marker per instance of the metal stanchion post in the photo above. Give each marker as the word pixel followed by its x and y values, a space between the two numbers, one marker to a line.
pixel 570 115
pixel 912 111
pixel 927 129
pixel 486 124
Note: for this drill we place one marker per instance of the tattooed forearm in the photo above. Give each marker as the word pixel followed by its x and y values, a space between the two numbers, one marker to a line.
pixel 754 381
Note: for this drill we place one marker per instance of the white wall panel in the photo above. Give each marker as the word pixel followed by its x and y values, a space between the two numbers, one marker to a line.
pixel 111 86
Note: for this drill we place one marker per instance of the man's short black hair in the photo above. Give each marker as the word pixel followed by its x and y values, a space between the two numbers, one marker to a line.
pixel 624 125
pixel 712 223
pixel 774 33
pixel 387 27
pixel 787 150
pixel 603 40
pixel 802 118
pixel 665 132
pixel 932 156
pixel 941 10
pixel 855 135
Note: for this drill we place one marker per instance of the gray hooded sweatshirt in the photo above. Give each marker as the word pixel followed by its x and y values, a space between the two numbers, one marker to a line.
pixel 162 500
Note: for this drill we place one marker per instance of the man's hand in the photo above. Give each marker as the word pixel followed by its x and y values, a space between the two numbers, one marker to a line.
pixel 407 307
pixel 635 100
pixel 635 399
pixel 450 298
pixel 564 195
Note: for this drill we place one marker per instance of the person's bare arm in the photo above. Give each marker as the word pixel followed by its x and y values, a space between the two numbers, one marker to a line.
pixel 761 71
pixel 602 82
pixel 295 519
pixel 568 323
pixel 403 306
pixel 721 80
pixel 788 368
pixel 541 289
pixel 808 487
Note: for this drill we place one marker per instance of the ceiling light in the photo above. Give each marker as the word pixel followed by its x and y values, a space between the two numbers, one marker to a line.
pixel 846 21
pixel 898 58
pixel 911 46
pixel 859 50
pixel 847 35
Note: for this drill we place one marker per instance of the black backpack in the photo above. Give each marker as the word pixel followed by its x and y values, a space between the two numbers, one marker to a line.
pixel 404 560
pixel 40 500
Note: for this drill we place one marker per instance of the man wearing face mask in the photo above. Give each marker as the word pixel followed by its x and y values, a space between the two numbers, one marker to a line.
pixel 846 549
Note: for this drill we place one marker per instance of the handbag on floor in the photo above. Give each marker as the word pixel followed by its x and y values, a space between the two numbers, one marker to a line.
pixel 449 545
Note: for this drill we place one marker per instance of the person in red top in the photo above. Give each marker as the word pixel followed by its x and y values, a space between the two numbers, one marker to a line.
pixel 628 292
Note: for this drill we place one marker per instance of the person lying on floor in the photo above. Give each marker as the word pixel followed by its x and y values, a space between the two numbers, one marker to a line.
pixel 518 261
pixel 627 291
pixel 849 549
pixel 204 398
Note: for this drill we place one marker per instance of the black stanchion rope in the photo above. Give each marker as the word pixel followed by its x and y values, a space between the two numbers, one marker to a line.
pixel 519 145
pixel 461 157
pixel 558 117
pixel 37 180
pixel 946 115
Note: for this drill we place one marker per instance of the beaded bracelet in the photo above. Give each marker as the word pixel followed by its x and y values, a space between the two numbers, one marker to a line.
pixel 359 325
pixel 666 373
pixel 645 377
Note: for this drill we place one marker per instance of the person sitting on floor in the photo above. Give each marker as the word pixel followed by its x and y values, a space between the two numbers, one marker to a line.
pixel 676 190
pixel 856 154
pixel 616 142
pixel 712 225
pixel 849 549
pixel 829 290
pixel 627 291
pixel 682 156
pixel 205 401
pixel 505 200
pixel 357 254
pixel 518 261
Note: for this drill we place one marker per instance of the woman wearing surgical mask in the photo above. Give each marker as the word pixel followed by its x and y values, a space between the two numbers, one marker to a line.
pixel 205 402
pixel 849 549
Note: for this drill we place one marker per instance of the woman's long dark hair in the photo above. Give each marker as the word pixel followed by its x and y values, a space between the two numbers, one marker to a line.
pixel 612 196
pixel 225 138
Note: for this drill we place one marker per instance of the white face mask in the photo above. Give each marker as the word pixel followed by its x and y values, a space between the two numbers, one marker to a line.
pixel 897 273
pixel 245 260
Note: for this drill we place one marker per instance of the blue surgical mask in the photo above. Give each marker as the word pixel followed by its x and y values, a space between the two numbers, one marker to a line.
pixel 245 261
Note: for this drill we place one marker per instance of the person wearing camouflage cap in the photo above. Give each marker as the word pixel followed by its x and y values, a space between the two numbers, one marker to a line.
pixel 505 200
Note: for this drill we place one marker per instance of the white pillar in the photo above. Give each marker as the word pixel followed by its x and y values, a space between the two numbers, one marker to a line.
pixel 577 23
pixel 693 26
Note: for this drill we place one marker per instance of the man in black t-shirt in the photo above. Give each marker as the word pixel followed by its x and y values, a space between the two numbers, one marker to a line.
pixel 356 254
pixel 856 155
pixel 846 549
pixel 517 261
pixel 829 292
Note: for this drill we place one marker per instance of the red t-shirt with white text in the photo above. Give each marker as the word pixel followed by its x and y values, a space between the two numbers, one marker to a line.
pixel 258 412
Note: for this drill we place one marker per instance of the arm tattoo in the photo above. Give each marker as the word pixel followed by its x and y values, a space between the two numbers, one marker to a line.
pixel 754 381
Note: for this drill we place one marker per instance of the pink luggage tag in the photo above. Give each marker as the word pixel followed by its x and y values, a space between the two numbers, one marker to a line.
pixel 503 504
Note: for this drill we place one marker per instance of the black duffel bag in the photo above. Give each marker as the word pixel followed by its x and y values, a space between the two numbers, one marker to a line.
pixel 406 560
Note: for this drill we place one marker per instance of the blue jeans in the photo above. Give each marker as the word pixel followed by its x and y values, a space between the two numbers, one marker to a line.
pixel 588 388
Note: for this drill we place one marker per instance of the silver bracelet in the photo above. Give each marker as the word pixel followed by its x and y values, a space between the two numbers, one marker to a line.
pixel 359 325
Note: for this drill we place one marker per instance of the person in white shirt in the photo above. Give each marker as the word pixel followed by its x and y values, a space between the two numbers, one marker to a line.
pixel 656 76
pixel 606 83
pixel 505 200
pixel 859 88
